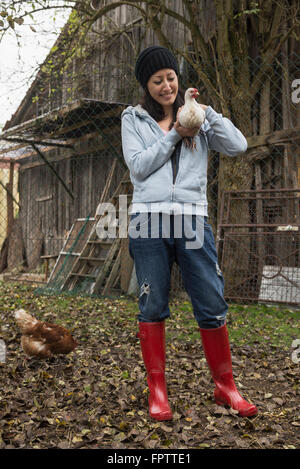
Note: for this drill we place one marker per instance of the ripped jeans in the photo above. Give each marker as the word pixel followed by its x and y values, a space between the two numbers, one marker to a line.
pixel 201 275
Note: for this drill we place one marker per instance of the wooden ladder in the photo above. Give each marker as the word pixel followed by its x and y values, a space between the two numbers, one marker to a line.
pixel 96 269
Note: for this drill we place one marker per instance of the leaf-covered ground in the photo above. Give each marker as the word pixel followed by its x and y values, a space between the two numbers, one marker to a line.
pixel 96 397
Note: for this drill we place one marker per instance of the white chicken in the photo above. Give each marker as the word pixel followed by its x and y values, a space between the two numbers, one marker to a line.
pixel 191 114
pixel 43 339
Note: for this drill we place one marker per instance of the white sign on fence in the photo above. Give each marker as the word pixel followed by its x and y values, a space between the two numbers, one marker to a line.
pixel 280 284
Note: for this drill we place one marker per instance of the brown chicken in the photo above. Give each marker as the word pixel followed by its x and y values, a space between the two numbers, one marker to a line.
pixel 42 339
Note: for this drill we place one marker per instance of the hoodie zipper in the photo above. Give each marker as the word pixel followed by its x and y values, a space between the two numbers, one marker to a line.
pixel 175 166
pixel 173 162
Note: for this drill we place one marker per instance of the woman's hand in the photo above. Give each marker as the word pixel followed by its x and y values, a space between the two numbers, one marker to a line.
pixel 184 131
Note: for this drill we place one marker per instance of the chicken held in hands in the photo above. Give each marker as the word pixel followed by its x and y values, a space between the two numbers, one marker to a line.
pixel 191 115
pixel 43 339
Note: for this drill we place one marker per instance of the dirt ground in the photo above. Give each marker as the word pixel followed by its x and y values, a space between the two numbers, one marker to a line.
pixel 96 397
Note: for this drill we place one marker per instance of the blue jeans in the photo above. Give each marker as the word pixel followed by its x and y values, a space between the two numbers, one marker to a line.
pixel 202 278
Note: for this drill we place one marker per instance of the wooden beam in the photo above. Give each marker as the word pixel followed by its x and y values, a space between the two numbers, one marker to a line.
pixel 278 137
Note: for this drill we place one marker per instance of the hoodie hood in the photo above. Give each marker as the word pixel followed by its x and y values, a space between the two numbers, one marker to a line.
pixel 137 110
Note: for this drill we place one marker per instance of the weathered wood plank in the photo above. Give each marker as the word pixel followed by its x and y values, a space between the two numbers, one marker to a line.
pixel 275 138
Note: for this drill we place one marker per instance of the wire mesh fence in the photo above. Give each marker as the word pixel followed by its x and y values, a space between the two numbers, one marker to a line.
pixel 57 167
pixel 261 258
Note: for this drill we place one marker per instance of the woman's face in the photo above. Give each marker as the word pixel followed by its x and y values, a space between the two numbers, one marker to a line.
pixel 163 87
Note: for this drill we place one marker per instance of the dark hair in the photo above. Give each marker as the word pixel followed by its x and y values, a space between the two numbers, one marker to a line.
pixel 156 110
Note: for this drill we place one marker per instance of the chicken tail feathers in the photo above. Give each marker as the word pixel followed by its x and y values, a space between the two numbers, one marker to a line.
pixel 190 143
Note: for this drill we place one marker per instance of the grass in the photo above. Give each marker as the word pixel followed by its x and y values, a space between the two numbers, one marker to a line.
pixel 251 324
pixel 278 325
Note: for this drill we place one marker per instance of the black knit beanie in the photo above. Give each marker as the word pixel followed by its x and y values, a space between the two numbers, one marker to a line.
pixel 151 60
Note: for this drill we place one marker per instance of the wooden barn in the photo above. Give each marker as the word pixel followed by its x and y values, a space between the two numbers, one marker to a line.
pixel 66 161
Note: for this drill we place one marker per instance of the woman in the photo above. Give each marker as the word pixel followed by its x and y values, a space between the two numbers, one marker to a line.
pixel 169 178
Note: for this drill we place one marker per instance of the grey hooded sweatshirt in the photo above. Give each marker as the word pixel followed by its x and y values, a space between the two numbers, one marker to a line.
pixel 148 151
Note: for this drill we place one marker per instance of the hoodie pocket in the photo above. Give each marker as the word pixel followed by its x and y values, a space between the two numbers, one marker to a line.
pixel 157 186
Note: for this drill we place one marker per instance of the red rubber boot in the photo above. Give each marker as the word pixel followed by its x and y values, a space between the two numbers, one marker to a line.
pixel 217 351
pixel 152 339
